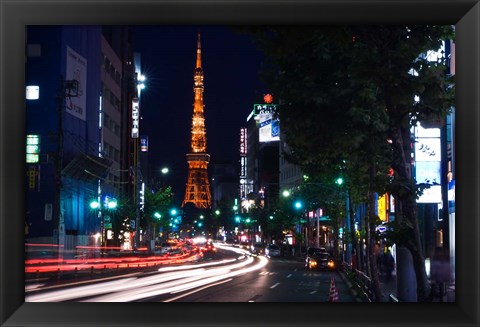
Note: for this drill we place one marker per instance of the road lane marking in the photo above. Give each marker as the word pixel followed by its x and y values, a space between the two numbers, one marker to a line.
pixel 290 275
pixel 273 286
pixel 198 290
pixel 313 292
pixel 254 298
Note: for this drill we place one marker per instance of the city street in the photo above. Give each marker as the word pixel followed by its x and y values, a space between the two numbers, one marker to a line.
pixel 231 276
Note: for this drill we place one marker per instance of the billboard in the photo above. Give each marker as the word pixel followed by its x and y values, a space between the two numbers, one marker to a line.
pixel 268 123
pixel 428 154
pixel 76 71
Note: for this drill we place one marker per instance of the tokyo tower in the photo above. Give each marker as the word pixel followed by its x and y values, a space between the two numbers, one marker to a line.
pixel 197 187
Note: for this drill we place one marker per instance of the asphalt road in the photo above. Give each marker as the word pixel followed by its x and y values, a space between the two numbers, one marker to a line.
pixel 230 276
pixel 279 281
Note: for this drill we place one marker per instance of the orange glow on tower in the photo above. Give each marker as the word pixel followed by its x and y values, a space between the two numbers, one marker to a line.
pixel 197 187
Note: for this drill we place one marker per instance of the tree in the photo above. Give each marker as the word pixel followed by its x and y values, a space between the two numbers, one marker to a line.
pixel 156 201
pixel 124 213
pixel 348 96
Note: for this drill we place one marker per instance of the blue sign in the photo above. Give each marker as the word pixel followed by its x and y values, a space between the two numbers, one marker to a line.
pixel 451 196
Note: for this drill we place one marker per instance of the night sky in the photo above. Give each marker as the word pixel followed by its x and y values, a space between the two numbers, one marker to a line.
pixel 231 86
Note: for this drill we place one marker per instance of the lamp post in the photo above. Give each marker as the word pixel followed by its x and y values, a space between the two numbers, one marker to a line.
pixel 109 204
pixel 299 206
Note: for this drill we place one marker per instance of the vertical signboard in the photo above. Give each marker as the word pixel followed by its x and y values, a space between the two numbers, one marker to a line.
pixel 243 163
pixel 451 196
pixel 382 207
pixel 428 163
pixel 135 118
pixel 33 148
pixel 48 213
pixel 268 123
pixel 76 70
pixel 243 141
pixel 144 144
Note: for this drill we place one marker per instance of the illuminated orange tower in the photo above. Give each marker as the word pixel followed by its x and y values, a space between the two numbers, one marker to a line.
pixel 198 188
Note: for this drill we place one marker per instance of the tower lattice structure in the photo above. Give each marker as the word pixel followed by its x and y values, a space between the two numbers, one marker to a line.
pixel 198 187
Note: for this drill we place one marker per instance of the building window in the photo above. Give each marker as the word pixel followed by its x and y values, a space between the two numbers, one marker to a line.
pixel 117 78
pixel 107 64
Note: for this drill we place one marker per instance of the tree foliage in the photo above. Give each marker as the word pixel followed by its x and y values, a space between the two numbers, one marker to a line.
pixel 349 97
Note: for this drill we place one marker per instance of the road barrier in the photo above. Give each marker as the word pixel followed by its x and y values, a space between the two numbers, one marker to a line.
pixel 333 294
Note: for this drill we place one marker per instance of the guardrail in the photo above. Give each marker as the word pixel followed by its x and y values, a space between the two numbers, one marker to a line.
pixel 361 282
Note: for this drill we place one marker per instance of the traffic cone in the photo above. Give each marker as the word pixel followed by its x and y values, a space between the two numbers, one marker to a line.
pixel 333 294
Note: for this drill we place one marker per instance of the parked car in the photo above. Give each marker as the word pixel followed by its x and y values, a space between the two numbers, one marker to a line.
pixel 321 261
pixel 272 251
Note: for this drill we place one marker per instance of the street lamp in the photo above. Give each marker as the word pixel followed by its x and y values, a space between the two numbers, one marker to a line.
pixel 299 206
pixel 110 204
pixel 164 170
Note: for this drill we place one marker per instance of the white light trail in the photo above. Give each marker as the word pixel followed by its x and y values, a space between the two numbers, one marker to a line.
pixel 168 280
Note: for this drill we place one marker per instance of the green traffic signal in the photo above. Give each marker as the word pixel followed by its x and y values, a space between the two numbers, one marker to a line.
pixel 339 181
pixel 112 204
pixel 94 204
pixel 157 215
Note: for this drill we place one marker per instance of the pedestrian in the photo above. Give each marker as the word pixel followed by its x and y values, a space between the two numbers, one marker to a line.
pixel 378 258
pixel 388 264
pixel 354 260
pixel 440 272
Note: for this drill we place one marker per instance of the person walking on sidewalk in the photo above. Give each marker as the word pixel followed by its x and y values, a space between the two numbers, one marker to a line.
pixel 440 273
pixel 388 264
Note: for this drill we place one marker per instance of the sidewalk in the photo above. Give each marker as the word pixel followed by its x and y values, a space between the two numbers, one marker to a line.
pixel 389 287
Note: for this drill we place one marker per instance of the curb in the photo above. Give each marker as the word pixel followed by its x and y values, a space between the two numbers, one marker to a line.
pixel 350 287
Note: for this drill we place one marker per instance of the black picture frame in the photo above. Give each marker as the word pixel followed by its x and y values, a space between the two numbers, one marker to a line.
pixel 16 14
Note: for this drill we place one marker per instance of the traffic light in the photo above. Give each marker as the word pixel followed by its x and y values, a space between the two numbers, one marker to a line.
pixel 339 181
pixel 157 215
pixel 237 219
pixel 94 204
pixel 112 204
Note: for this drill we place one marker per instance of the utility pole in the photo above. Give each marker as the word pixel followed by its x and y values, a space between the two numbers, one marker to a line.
pixel 68 89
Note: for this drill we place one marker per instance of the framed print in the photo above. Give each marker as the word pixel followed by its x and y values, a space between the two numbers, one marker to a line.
pixel 25 24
